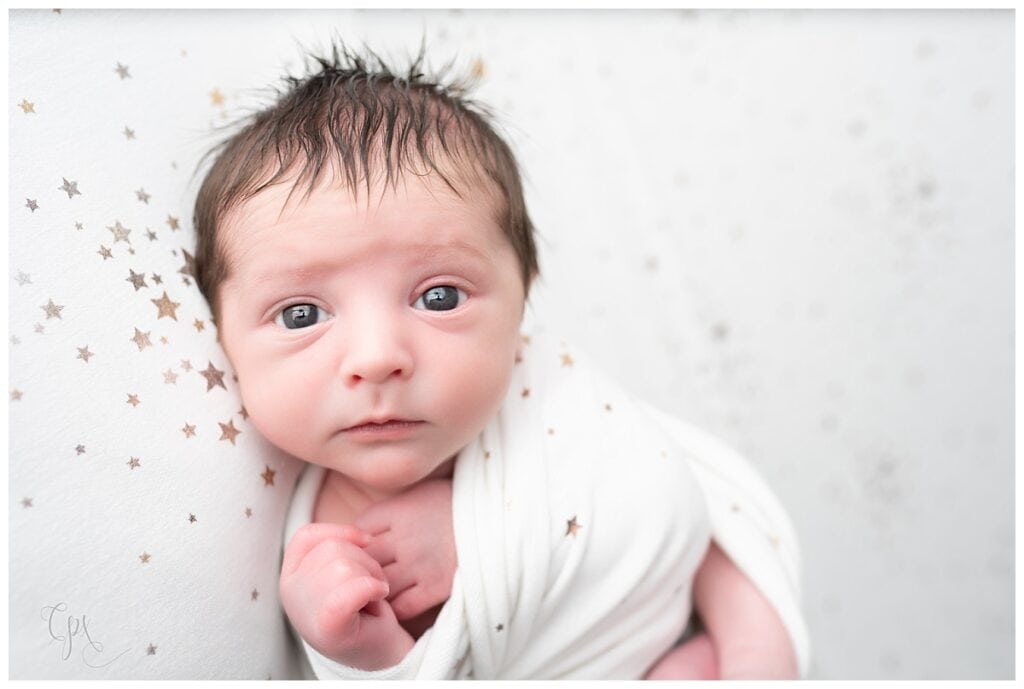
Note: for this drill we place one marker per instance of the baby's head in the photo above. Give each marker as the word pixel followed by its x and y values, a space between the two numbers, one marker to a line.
pixel 365 248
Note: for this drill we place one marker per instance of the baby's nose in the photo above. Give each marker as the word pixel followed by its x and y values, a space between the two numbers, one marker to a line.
pixel 375 355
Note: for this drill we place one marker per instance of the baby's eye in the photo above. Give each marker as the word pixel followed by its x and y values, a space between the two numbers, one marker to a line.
pixel 440 298
pixel 300 316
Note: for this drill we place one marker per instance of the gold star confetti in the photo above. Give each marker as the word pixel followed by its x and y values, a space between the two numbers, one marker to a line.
pixel 228 431
pixel 268 476
pixel 566 360
pixel 151 235
pixel 31 205
pixel 129 134
pixel 170 377
pixel 185 281
pixel 254 595
pixel 78 225
pixel 133 463
pixel 607 407
pixel 27 107
pixel 199 325
pixel 551 431
pixel 151 650
pixel 248 512
pixel 214 376
pixel 70 187
pixel 189 431
pixel 190 264
pixel 105 252
pixel 141 339
pixel 525 339
pixel 52 310
pixel 478 69
pixel 172 221
pixel 145 558
pixel 84 353
pixel 141 195
pixel 572 527
pixel 216 97
pixel 39 328
pixel 131 251
pixel 186 365
pixel 487 454
pixel 120 232
pixel 138 280
pixel 499 627
pixel 157 279
pixel 244 413
pixel 26 502
pixel 133 399
pixel 122 71
pixel 163 340
pixel 80 449
pixel 165 307
pixel 16 395
pixel 23 278
pixel 192 518
pixel 525 392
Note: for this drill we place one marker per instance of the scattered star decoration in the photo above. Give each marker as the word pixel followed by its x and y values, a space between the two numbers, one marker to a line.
pixel 70 187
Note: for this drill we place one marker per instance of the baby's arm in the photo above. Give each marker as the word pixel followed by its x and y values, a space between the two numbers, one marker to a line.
pixel 748 637
pixel 333 593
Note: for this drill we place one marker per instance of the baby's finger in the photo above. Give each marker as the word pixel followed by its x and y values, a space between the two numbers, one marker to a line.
pixel 399 577
pixel 382 548
pixel 339 610
pixel 411 602
pixel 377 518
pixel 312 535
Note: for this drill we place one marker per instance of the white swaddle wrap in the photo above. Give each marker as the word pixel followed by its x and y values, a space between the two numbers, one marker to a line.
pixel 580 516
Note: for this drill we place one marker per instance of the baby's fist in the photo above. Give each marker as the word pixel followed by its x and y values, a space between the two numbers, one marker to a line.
pixel 335 595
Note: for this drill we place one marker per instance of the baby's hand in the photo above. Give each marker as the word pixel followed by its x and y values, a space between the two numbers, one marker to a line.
pixel 334 593
pixel 412 539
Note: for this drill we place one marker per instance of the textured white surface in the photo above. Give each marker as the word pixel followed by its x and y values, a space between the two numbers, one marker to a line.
pixel 792 228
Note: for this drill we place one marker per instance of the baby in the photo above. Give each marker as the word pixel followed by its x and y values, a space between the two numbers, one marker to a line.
pixel 366 251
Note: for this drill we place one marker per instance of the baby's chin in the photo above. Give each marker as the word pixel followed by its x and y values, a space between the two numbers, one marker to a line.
pixel 393 474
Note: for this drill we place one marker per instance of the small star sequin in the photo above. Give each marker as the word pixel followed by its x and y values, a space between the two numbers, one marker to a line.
pixel 52 310
pixel 122 71
pixel 166 307
pixel 84 353
pixel 71 188
pixel 27 107
pixel 607 407
pixel 39 328
pixel 78 225
pixel 157 279
pixel 105 252
pixel 172 222
pixel 151 235
pixel 572 527
pixel 15 340
pixel 129 134
pixel 192 518
pixel 170 377
pixel 254 595
pixel 190 264
pixel 26 502
pixel 23 278
pixel 487 454
pixel 163 340
pixel 198 325
pixel 228 431
pixel 499 627
pixel 268 476
pixel 141 195
pixel 216 97
pixel 120 232
pixel 80 449
pixel 31 205
pixel 141 339
pixel 133 399
pixel 133 463
pixel 16 395
pixel 189 431
pixel 151 650
pixel 214 376
pixel 248 512
pixel 734 507
pixel 144 557
pixel 244 414
pixel 566 360
pixel 138 280
pixel 186 365
pixel 525 392
pixel 478 70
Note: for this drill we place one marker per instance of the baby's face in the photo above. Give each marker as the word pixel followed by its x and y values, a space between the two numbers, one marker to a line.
pixel 375 342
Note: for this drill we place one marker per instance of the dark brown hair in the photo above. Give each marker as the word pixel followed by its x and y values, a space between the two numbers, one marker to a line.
pixel 355 114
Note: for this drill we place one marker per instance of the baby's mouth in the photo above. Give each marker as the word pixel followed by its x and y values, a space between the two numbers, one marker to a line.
pixel 381 426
